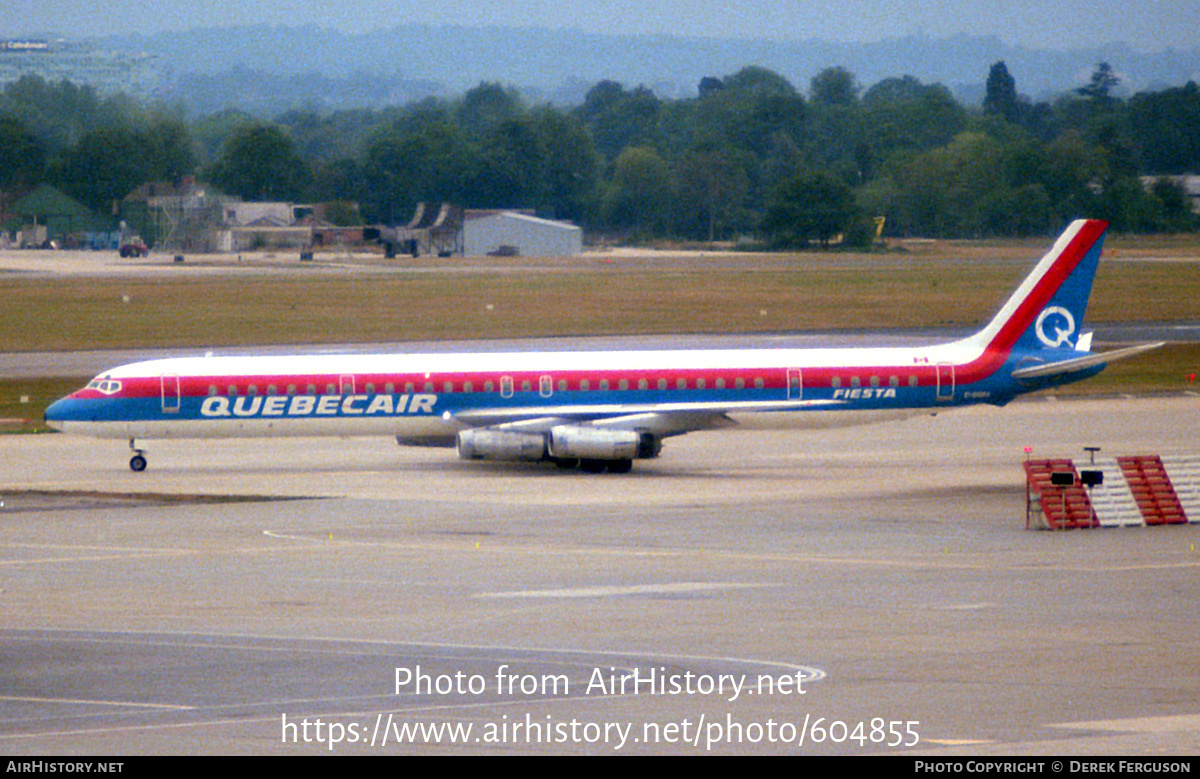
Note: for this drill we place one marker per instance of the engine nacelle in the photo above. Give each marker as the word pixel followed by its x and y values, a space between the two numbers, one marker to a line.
pixel 591 443
pixel 486 444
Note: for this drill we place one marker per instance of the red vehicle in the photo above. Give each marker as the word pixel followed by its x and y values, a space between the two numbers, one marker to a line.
pixel 134 247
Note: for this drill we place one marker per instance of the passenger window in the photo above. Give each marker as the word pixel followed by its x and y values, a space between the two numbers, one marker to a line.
pixel 758 383
pixel 720 384
pixel 662 384
pixel 739 383
pixel 874 381
pixel 584 385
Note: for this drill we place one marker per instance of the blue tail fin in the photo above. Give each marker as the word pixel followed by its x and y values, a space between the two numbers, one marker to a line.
pixel 1046 311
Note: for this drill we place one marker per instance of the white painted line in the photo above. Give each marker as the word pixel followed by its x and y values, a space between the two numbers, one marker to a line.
pixel 1165 724
pixel 75 702
pixel 286 537
pixel 613 591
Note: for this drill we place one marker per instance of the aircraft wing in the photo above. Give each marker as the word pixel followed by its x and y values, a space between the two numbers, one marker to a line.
pixel 1081 363
pixel 665 418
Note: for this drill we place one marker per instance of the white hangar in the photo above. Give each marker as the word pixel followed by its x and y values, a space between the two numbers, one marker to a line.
pixel 514 233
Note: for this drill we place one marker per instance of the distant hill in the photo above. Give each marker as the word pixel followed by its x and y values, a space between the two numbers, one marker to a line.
pixel 268 69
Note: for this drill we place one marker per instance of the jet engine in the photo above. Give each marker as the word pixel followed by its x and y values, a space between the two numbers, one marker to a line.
pixel 569 442
pixel 488 444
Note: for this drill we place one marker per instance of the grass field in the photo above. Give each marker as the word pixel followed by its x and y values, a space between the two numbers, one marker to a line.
pixel 23 401
pixel 92 313
pixel 933 286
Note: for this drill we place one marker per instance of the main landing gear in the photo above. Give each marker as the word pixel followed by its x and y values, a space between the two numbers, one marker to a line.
pixel 594 466
pixel 137 463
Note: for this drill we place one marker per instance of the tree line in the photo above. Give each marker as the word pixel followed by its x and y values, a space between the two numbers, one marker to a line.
pixel 750 155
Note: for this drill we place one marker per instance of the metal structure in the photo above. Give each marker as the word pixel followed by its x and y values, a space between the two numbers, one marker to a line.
pixel 1112 492
pixel 430 231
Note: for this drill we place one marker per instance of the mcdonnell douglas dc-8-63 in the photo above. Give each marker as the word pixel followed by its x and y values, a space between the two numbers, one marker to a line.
pixel 601 410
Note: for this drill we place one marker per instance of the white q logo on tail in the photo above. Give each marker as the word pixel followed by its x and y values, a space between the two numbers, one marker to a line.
pixel 1062 330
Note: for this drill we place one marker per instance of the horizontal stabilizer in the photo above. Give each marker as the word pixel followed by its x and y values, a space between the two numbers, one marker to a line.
pixel 1081 363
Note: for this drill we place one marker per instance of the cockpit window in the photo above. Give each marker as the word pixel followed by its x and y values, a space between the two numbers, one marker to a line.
pixel 106 386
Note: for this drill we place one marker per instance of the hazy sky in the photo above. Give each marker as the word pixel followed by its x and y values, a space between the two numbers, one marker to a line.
pixel 1145 24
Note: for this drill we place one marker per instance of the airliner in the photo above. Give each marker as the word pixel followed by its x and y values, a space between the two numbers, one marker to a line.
pixel 601 410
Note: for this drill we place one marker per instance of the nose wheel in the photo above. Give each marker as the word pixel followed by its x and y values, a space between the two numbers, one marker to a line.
pixel 137 463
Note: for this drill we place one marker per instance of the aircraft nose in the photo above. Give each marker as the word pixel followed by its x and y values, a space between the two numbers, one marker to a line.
pixel 56 413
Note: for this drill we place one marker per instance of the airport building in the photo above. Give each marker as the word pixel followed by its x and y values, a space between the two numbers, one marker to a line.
pixel 1189 183
pixel 516 233
pixel 450 230
pixel 48 215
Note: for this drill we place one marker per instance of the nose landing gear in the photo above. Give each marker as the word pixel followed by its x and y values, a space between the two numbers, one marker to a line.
pixel 137 463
